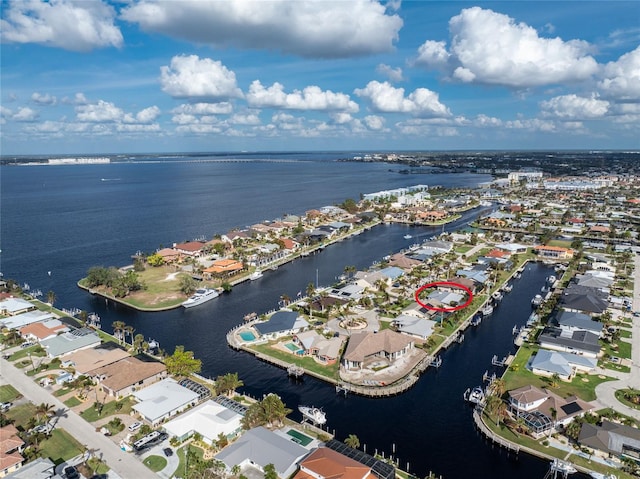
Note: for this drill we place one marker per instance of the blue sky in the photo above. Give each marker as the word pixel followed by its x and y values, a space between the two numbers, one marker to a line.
pixel 97 76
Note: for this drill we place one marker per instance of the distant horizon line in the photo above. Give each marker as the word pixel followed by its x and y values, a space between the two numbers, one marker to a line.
pixel 290 152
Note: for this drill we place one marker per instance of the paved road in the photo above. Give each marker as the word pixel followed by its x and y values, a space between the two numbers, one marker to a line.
pixel 606 391
pixel 124 464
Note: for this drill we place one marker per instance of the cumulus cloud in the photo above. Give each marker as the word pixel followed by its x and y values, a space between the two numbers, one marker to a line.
pixel 573 107
pixel 622 77
pixel 100 112
pixel 45 99
pixel 145 116
pixel 374 122
pixel 204 79
pixel 249 118
pixel 310 98
pixel 309 29
pixel 25 114
pixel 222 108
pixel 490 47
pixel 393 74
pixel 72 25
pixel 341 118
pixel 385 98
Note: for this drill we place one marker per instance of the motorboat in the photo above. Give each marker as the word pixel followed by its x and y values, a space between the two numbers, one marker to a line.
pixel 475 395
pixel 257 274
pixel 551 279
pixel 407 236
pixel 496 295
pixel 536 301
pixel 487 310
pixel 201 295
pixel 507 288
pixel 313 414
pixel 562 467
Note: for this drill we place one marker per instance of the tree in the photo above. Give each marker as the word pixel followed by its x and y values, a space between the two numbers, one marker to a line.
pixel 44 410
pixel 187 284
pixel 352 441
pixel 118 329
pixel 310 289
pixel 129 330
pixel 138 342
pixel 495 407
pixel 155 260
pixel 182 363
pixel 51 298
pixel 270 472
pixel 228 384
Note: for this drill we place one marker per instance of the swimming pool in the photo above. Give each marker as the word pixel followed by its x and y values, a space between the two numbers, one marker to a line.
pixel 298 437
pixel 247 336
pixel 292 347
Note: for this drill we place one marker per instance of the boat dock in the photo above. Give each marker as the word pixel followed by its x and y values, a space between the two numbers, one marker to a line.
pixel 488 433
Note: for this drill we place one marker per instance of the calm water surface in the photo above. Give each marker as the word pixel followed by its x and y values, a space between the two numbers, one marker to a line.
pixel 65 219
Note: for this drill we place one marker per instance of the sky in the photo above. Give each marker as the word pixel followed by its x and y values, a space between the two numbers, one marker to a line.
pixel 138 76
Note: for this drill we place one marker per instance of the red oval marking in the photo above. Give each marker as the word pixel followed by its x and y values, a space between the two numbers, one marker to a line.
pixel 448 283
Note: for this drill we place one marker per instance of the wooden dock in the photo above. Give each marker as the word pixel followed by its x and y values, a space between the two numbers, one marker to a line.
pixel 488 433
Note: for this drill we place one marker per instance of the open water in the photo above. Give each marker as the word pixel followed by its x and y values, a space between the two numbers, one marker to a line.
pixel 58 221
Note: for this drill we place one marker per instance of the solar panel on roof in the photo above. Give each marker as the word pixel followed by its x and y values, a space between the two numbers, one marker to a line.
pixel 571 408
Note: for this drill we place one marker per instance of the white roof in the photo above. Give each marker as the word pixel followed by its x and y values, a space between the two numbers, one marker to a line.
pixel 20 320
pixel 12 305
pixel 209 420
pixel 162 398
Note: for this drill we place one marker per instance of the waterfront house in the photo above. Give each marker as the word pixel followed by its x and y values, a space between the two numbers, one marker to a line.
pixel 586 303
pixel 553 252
pixel 13 306
pixel 233 236
pixel 577 342
pixel 190 248
pixel 169 255
pixel 11 447
pixel 413 326
pixel 356 289
pixel 128 375
pixel 571 321
pixel 86 361
pixel 70 341
pixel 478 276
pixel 618 439
pixel 223 268
pixel 162 400
pixel 366 346
pixel 43 330
pixel 209 419
pixel 281 323
pixel 403 261
pixel 565 365
pixel 258 447
pixel 325 463
pixel 325 350
pixel 466 282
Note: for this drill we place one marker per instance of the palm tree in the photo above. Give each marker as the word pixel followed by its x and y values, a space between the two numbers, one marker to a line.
pixel 228 384
pixel 496 407
pixel 352 441
pixel 129 330
pixel 83 316
pixel 44 409
pixel 118 328
pixel 285 298
pixel 51 298
pixel 498 387
pixel 310 289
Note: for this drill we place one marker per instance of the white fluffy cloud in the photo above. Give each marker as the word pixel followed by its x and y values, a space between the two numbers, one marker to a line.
pixel 490 47
pixel 573 107
pixel 68 24
pixel 45 99
pixel 145 116
pixel 385 98
pixel 374 122
pixel 247 118
pixel 192 77
pixel 327 29
pixel 100 112
pixel 622 78
pixel 310 98
pixel 223 108
pixel 393 74
pixel 25 114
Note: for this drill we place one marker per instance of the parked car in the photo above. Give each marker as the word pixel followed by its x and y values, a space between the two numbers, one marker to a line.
pixel 26 345
pixel 168 451
pixel 40 428
pixel 70 472
pixel 5 405
pixel 135 426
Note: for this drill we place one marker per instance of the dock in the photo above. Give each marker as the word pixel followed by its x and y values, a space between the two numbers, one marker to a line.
pixel 488 433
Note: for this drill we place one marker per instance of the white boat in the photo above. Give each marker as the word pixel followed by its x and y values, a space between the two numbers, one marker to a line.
pixel 475 395
pixel 257 274
pixel 536 301
pixel 487 310
pixel 496 295
pixel 551 279
pixel 201 295
pixel 407 236
pixel 313 414
pixel 562 467
pixel 507 288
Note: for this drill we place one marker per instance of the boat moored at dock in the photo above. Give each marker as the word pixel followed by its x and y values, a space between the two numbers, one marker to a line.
pixel 313 414
pixel 201 295
pixel 257 274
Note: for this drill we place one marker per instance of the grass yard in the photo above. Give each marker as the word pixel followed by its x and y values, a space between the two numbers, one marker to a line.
pixel 72 402
pixel 21 414
pixel 330 371
pixel 36 351
pixel 62 391
pixel 518 375
pixel 109 409
pixel 621 396
pixel 155 463
pixel 8 393
pixel 60 446
pixel 182 453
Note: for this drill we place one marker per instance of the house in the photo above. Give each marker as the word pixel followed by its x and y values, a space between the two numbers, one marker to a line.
pixel 190 248
pixel 43 330
pixel 281 323
pixel 259 447
pixel 71 341
pixel 586 303
pixel 37 469
pixel 223 267
pixel 325 463
pixel 86 361
pixel 19 320
pixel 414 326
pixel 126 376
pixel 169 255
pixel 356 290
pixel 162 400
pixel 578 342
pixel 571 321
pixel 210 419
pixel 364 346
pixel 403 261
pixel 12 306
pixel 565 365
pixel 618 439
pixel 327 351
pixel 11 447
pixel 233 236
pixel 543 411
pixel 553 252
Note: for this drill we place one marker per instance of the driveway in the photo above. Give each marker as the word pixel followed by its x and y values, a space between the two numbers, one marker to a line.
pixel 122 463
pixel 172 461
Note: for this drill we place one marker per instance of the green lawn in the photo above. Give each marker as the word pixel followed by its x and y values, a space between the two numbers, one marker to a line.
pixel 21 414
pixel 180 472
pixel 462 249
pixel 518 375
pixel 330 371
pixel 625 333
pixel 72 402
pixel 8 393
pixel 620 396
pixel 91 415
pixel 60 446
pixel 155 463
pixel 62 391
pixel 36 351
